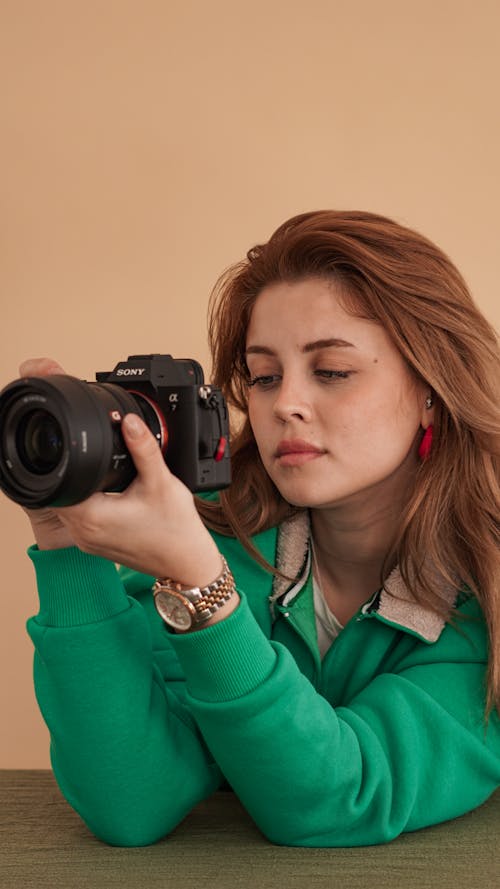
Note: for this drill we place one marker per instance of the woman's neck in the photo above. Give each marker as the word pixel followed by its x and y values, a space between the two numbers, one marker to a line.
pixel 351 544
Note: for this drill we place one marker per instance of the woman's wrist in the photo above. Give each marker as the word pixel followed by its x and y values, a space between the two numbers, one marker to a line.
pixel 205 567
pixel 210 590
pixel 52 541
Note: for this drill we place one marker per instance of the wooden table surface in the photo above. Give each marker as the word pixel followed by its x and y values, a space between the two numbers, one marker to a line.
pixel 44 844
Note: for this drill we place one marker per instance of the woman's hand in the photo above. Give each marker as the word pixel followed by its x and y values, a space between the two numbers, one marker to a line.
pixel 153 526
pixel 48 529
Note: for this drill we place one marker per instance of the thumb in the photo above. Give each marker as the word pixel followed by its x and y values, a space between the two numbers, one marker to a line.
pixel 143 447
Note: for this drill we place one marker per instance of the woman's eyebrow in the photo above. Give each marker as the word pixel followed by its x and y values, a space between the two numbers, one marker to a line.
pixel 307 347
pixel 325 344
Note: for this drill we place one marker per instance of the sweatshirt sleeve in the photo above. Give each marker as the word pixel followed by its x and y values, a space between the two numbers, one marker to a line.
pixel 411 749
pixel 125 749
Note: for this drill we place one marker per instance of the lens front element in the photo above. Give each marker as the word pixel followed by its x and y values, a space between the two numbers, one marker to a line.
pixel 39 441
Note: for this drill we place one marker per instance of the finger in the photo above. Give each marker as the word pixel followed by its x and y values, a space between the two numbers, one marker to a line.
pixel 143 448
pixel 40 367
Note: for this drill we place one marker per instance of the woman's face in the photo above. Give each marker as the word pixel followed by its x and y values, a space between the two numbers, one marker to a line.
pixel 333 407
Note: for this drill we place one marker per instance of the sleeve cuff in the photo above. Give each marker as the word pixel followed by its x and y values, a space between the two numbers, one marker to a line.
pixel 76 588
pixel 226 660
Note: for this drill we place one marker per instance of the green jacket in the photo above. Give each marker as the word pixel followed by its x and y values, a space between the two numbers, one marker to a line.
pixel 385 735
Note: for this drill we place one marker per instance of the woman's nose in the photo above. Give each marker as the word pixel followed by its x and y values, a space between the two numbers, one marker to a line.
pixel 291 401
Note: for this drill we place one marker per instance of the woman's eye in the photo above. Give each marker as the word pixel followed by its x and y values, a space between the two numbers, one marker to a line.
pixel 333 374
pixel 265 381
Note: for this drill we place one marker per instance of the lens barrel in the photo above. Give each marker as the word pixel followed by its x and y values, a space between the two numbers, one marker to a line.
pixel 60 439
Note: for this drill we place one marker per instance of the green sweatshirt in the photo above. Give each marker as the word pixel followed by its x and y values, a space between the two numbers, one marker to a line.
pixel 385 734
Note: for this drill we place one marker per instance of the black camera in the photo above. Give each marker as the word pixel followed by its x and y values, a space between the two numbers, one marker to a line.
pixel 61 440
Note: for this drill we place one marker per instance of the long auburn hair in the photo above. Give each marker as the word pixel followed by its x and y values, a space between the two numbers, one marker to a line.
pixel 398 278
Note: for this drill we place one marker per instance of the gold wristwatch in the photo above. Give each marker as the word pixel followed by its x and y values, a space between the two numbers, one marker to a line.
pixel 184 609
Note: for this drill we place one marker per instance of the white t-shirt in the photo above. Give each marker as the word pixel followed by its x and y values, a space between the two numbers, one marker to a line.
pixel 327 625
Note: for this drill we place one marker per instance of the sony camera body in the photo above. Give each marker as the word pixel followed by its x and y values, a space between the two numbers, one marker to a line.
pixel 60 437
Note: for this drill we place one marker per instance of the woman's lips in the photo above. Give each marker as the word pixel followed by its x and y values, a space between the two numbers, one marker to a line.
pixel 295 452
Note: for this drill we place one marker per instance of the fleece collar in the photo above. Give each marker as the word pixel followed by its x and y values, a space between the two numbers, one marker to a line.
pixel 393 604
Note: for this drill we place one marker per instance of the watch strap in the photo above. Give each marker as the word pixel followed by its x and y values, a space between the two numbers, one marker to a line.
pixel 206 600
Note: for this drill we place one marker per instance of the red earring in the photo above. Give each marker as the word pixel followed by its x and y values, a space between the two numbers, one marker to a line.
pixel 425 446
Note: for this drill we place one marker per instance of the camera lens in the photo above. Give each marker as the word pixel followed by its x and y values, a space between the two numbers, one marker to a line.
pixel 61 440
pixel 39 442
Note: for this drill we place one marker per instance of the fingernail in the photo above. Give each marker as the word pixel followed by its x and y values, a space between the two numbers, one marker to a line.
pixel 133 425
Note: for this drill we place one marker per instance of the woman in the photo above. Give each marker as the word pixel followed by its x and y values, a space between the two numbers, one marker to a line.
pixel 340 683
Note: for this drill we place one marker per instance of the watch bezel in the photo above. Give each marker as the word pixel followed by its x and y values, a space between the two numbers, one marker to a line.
pixel 172 595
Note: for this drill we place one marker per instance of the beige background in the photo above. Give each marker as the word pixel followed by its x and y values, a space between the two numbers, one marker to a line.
pixel 146 145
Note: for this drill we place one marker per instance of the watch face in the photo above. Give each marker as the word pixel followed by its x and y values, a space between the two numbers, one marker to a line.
pixel 175 610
